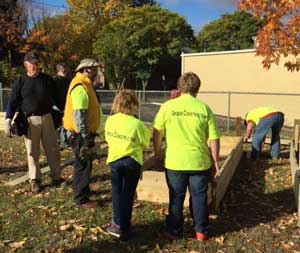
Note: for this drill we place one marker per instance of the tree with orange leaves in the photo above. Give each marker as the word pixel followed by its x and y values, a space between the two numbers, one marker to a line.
pixel 70 35
pixel 280 35
pixel 11 30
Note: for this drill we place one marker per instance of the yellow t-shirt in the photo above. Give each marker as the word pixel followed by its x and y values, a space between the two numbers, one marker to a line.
pixel 126 136
pixel 256 114
pixel 187 124
pixel 80 98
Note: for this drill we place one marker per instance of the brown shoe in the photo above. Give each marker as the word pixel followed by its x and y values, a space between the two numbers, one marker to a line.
pixel 89 205
pixel 35 185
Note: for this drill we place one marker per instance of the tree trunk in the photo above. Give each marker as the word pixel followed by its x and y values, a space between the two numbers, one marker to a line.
pixel 144 83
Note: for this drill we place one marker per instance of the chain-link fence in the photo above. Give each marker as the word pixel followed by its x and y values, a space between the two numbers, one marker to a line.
pixel 226 105
pixel 4 97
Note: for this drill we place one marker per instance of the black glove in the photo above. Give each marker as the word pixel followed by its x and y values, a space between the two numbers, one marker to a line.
pixel 88 147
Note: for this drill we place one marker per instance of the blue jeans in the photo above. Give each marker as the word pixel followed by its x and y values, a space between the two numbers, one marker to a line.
pixel 275 123
pixel 124 176
pixel 197 182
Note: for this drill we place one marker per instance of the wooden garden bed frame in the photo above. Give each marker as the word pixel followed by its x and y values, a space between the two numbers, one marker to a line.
pixel 294 164
pixel 153 186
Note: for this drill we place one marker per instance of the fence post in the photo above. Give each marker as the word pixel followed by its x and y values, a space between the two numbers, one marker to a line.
pixel 296 134
pixel 1 98
pixel 228 111
pixel 238 126
pixel 140 102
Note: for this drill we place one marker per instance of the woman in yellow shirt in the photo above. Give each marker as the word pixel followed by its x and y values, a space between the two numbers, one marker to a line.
pixel 188 125
pixel 126 136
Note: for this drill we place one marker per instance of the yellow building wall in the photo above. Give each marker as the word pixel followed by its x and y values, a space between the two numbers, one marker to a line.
pixel 242 71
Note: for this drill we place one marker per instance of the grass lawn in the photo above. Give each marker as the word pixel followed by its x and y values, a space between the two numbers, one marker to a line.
pixel 258 213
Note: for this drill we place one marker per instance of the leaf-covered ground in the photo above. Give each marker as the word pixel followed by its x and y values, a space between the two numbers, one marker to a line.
pixel 258 213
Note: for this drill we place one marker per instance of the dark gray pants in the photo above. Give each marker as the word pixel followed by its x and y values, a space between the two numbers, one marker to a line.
pixel 82 171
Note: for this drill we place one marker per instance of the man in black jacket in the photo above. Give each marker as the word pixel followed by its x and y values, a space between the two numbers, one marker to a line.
pixel 33 94
pixel 62 82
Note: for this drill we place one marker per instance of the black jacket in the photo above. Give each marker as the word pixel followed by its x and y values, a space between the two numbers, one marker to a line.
pixel 35 96
pixel 61 88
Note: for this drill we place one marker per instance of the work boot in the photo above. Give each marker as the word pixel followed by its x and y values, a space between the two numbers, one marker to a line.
pixel 35 185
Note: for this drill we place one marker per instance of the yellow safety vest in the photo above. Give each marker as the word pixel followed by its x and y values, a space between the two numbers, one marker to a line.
pixel 93 108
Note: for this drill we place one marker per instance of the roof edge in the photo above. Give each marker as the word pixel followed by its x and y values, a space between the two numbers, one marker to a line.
pixel 219 52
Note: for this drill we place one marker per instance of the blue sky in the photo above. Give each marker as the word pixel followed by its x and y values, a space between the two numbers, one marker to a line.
pixel 199 12
pixel 196 12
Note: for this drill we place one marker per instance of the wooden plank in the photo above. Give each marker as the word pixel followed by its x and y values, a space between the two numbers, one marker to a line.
pixel 296 133
pixel 44 170
pixel 285 142
pixel 295 177
pixel 227 171
pixel 227 143
pixel 296 122
pixel 296 137
pixel 238 126
pixel 102 151
pixel 153 186
pixel 2 121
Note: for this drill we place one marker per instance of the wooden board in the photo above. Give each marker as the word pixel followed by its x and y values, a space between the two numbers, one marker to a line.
pixel 153 186
pixel 102 151
pixel 2 121
pixel 227 143
pixel 44 170
pixel 227 170
pixel 285 142
pixel 295 177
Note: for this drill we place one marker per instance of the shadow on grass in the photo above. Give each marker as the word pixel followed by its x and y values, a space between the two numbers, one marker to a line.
pixel 12 169
pixel 19 168
pixel 146 236
pixel 100 178
pixel 247 204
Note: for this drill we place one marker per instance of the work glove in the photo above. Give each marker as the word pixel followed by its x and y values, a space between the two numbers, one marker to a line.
pixel 7 129
pixel 88 147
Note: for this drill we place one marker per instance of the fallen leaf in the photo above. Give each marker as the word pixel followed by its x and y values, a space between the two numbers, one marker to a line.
pixel 291 221
pixel 98 230
pixel 94 238
pixel 79 239
pixel 143 247
pixel 213 216
pixel 5 242
pixel 16 245
pixel 65 227
pixel 220 239
pixel 79 228
pixel 137 205
pixel 286 246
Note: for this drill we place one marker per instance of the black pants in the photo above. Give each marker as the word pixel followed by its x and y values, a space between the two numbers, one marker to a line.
pixel 82 171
